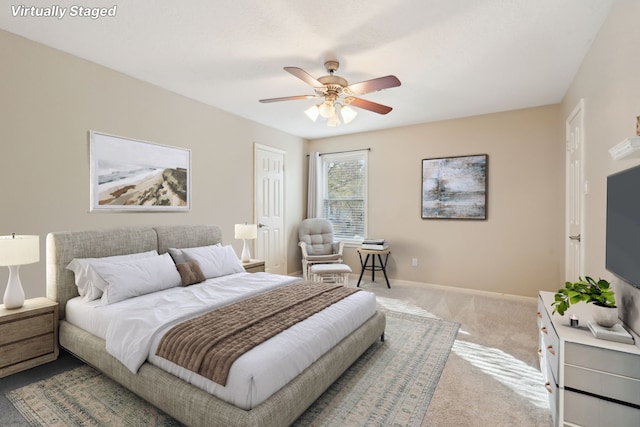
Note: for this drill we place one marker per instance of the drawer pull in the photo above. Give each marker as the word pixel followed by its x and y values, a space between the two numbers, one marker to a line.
pixel 547 385
pixel 551 350
pixel 544 329
pixel 538 314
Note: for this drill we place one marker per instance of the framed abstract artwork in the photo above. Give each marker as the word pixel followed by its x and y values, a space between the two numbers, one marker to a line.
pixel 132 175
pixel 455 187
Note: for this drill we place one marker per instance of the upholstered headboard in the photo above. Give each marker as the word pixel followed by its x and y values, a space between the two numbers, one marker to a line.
pixel 64 246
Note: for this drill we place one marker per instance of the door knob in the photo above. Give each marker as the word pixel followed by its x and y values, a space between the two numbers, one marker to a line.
pixel 260 225
pixel 576 237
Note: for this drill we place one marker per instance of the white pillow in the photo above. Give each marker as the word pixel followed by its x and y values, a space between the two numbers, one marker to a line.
pixel 90 285
pixel 128 279
pixel 214 260
pixel 179 255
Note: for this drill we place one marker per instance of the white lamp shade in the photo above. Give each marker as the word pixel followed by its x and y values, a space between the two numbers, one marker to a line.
pixel 348 114
pixel 246 231
pixel 333 120
pixel 326 109
pixel 19 249
pixel 312 112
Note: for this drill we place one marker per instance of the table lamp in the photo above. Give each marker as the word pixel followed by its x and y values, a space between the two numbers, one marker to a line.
pixel 17 250
pixel 245 232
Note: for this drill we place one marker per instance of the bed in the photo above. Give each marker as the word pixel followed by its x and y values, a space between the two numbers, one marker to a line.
pixel 184 399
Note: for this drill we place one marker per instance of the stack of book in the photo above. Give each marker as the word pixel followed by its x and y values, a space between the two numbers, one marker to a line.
pixel 374 244
pixel 616 333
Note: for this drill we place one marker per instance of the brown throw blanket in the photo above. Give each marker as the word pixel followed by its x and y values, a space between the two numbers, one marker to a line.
pixel 210 343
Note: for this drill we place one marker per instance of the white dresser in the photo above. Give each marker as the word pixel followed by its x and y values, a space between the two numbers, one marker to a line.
pixel 591 382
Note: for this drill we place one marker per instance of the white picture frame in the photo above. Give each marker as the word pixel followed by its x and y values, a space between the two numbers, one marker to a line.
pixel 129 175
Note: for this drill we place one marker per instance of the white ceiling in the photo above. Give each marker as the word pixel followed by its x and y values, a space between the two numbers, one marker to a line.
pixel 455 58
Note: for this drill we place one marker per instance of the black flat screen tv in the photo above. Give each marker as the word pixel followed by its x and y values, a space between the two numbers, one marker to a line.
pixel 623 225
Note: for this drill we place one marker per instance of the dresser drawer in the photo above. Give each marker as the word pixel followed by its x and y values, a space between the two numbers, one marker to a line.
pixel 28 327
pixel 550 343
pixel 600 359
pixel 589 411
pixel 540 312
pixel 28 335
pixel 600 383
pixel 27 349
pixel 552 388
pixel 609 373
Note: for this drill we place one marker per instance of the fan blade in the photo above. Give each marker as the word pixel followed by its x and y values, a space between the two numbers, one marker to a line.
pixel 373 85
pixel 371 106
pixel 304 76
pixel 289 98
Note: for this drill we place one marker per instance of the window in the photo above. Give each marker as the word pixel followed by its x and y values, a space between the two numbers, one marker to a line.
pixel 344 194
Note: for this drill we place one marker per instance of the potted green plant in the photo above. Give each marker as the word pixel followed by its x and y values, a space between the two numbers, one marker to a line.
pixel 605 311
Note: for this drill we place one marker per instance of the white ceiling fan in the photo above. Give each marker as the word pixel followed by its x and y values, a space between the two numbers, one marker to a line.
pixel 338 94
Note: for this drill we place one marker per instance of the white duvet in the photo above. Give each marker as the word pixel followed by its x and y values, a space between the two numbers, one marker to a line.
pixel 133 328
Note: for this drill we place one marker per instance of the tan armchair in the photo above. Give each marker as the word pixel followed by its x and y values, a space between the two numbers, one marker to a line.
pixel 317 244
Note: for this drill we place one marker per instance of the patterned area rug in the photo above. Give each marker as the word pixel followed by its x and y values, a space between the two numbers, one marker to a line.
pixel 391 384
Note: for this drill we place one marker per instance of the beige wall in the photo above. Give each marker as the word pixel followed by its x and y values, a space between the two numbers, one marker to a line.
pixel 609 83
pixel 518 250
pixel 50 100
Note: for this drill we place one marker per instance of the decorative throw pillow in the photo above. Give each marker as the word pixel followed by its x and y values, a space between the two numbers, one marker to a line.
pixel 190 273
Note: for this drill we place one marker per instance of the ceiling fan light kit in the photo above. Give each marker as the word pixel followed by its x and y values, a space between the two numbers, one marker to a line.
pixel 327 109
pixel 333 121
pixel 348 114
pixel 312 112
pixel 338 95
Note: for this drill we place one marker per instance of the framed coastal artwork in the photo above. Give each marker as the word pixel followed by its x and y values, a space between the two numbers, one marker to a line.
pixel 132 175
pixel 455 187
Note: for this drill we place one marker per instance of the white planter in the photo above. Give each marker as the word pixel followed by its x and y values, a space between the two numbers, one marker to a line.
pixel 605 316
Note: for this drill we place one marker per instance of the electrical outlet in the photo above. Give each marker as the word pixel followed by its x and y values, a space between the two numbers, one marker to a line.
pixel 414 262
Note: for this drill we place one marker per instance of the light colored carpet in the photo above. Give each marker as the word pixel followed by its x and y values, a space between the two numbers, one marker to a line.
pixel 492 375
pixel 391 384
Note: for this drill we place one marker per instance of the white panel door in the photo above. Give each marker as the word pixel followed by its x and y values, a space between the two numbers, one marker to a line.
pixel 269 205
pixel 576 189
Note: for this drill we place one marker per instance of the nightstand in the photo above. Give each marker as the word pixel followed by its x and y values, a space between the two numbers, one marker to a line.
pixel 28 335
pixel 254 266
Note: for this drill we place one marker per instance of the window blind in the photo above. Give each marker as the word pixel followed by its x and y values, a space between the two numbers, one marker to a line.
pixel 344 193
